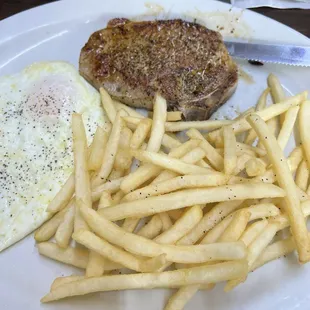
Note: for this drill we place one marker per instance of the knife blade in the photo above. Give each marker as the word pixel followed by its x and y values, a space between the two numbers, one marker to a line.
pixel 274 53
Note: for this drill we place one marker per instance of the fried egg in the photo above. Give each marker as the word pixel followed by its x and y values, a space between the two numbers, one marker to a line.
pixel 36 141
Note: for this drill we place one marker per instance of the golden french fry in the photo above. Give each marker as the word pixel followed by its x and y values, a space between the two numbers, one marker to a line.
pixel 109 251
pixel 304 128
pixel 82 181
pixel 244 147
pixel 140 133
pixel 181 227
pixel 123 158
pixel 166 162
pixel 158 124
pixel 285 180
pixel 108 104
pixel 171 185
pixel 97 149
pixel 184 148
pixel 236 227
pixel 65 229
pixel 254 250
pixel 174 116
pixel 197 275
pixel 115 174
pixel 179 299
pixel 110 187
pixel 152 228
pixel 63 196
pixel 49 228
pixel 277 92
pixel 257 212
pixel 117 197
pixel 110 152
pixel 287 126
pixel 64 280
pixel 166 221
pixel 202 125
pixel 230 156
pixel 253 231
pixel 95 265
pixel 79 223
pixel 190 197
pixel 302 176
pixel 210 219
pixel 130 224
pixel 141 246
pixel 255 167
pixel 130 111
pixel 266 114
pixel 170 142
pixel 105 201
pixel 72 256
pixel 212 155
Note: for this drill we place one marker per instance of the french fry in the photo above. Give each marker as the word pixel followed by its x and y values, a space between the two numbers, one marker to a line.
pixel 130 224
pixel 170 142
pixel 255 167
pixel 110 152
pixel 108 104
pixel 158 124
pixel 254 250
pixel 148 171
pixel 197 275
pixel 166 221
pixel 181 227
pixel 49 228
pixel 123 159
pixel 132 112
pixel 138 245
pixel 244 147
pixel 97 149
pixel 72 256
pixel 63 196
pixel 261 104
pixel 251 233
pixel 65 229
pixel 212 155
pixel 256 212
pixel 304 128
pixel 285 179
pixel 302 176
pixel 152 228
pixel 64 280
pixel 140 133
pixel 167 162
pixel 266 114
pixel 180 298
pixel 287 126
pixel 105 201
pixel 174 116
pixel 109 251
pixel 95 265
pixel 115 174
pixel 189 197
pixel 236 227
pixel 230 156
pixel 184 148
pixel 110 186
pixel 202 125
pixel 277 92
pixel 82 181
pixel 241 162
pixel 181 182
pixel 209 220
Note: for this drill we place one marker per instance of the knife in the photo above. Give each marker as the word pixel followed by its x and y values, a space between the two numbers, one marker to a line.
pixel 274 53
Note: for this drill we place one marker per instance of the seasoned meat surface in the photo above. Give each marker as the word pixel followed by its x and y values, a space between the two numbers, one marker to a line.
pixel 185 62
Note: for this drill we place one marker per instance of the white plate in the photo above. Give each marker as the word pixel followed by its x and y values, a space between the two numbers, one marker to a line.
pixel 57 32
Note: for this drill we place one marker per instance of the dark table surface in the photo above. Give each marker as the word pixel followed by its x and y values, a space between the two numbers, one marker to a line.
pixel 297 19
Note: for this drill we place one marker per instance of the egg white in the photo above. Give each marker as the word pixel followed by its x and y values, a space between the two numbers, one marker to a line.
pixel 36 141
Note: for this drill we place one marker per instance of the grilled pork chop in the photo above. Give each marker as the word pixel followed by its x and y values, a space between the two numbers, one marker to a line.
pixel 185 62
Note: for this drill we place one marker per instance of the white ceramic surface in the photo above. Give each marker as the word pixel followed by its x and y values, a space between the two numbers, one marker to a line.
pixel 57 32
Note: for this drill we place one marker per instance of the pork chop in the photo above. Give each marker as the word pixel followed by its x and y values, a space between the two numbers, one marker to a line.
pixel 185 62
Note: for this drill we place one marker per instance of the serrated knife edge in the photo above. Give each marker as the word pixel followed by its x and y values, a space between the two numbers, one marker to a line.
pixel 271 53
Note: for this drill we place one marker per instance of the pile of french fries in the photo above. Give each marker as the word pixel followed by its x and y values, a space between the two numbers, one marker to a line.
pixel 154 211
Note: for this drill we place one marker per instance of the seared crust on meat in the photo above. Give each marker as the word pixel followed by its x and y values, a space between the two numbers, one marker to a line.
pixel 185 62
